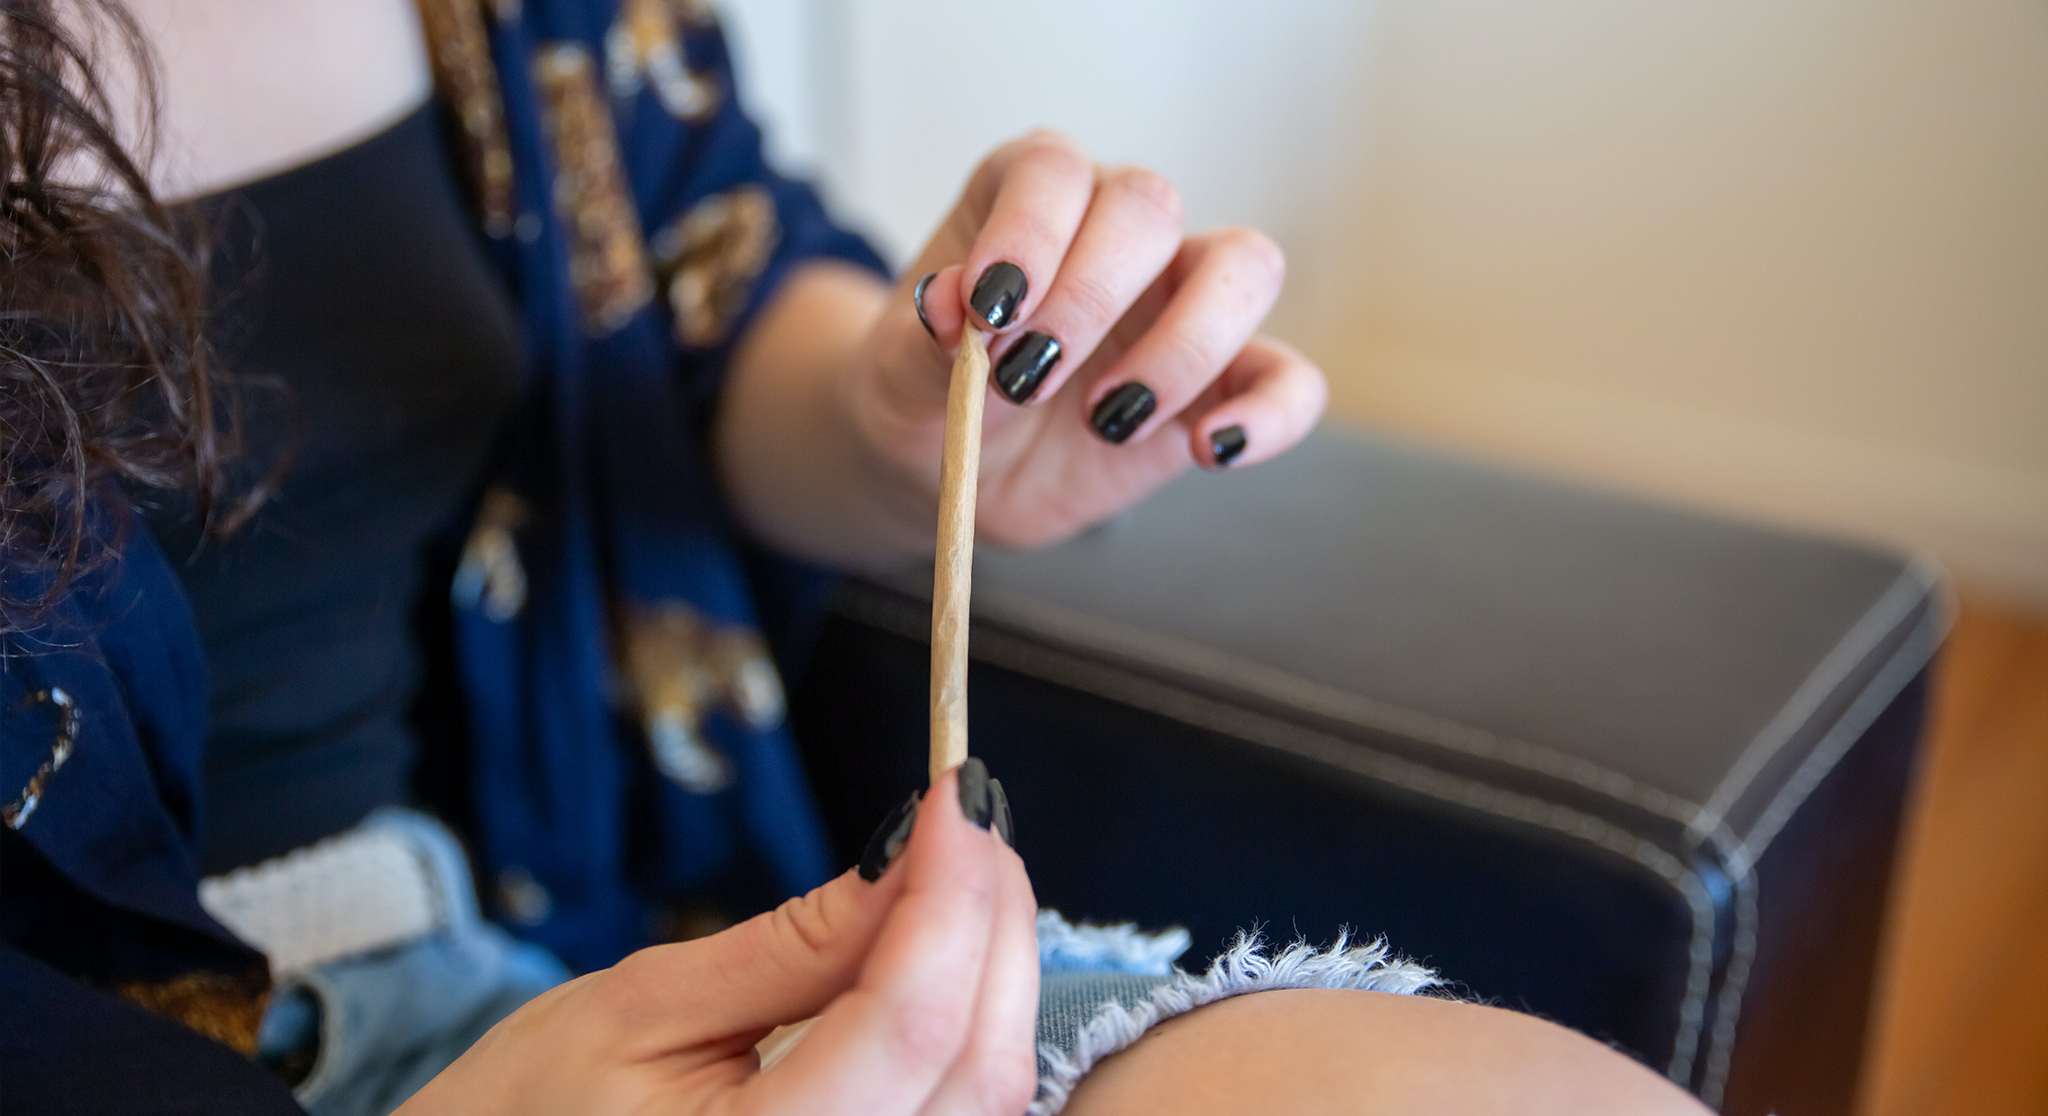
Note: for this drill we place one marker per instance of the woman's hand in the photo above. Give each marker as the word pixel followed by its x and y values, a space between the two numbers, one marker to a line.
pixel 1130 352
pixel 1125 351
pixel 925 985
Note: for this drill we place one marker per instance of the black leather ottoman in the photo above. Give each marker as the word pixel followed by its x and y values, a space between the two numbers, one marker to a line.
pixel 1635 770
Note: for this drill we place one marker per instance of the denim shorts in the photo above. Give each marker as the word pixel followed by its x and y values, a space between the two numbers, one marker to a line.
pixel 383 1024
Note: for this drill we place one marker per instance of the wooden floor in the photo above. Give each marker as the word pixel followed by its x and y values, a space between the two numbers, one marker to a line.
pixel 1962 1024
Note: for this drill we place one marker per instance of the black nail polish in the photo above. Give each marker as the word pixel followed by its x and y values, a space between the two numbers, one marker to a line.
pixel 1004 827
pixel 1123 411
pixel 917 300
pixel 890 837
pixel 1226 444
pixel 1026 366
pixel 975 801
pixel 998 293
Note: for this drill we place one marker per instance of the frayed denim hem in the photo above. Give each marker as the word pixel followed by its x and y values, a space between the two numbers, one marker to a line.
pixel 1243 968
pixel 1065 947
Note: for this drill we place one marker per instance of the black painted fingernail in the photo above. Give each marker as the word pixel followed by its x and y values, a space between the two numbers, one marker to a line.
pixel 890 837
pixel 1026 365
pixel 1004 828
pixel 998 293
pixel 917 300
pixel 1226 444
pixel 1123 411
pixel 975 801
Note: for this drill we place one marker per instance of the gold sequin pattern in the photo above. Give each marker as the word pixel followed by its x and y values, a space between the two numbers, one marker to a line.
pixel 607 259
pixel 490 577
pixel 228 1010
pixel 709 258
pixel 679 666
pixel 645 46
pixel 460 48
pixel 64 739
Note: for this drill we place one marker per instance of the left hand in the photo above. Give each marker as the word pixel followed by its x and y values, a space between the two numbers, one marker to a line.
pixel 924 985
pixel 1130 300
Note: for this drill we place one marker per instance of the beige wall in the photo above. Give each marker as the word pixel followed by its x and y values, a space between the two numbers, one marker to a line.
pixel 1783 257
pixel 1788 257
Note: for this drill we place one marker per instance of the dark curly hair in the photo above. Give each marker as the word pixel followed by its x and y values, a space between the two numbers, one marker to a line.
pixel 106 380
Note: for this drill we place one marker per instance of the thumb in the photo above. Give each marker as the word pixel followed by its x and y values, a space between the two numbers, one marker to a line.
pixel 774 968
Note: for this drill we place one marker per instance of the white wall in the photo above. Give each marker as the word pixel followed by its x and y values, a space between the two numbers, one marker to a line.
pixel 1783 257
pixel 899 99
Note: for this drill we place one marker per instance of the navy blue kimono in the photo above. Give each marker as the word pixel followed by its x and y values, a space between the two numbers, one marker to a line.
pixel 608 617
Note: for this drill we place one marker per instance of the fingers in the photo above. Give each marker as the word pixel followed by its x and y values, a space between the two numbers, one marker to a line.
pixel 997 1072
pixel 1223 285
pixel 1268 399
pixel 884 1046
pixel 1110 312
pixel 1130 234
pixel 771 969
pixel 1041 186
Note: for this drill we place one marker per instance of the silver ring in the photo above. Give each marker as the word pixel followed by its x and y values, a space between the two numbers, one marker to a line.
pixel 917 300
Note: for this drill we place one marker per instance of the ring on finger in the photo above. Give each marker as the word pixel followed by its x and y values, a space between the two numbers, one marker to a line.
pixel 917 300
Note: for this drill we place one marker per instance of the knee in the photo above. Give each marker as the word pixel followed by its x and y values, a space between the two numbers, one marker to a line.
pixel 1369 1052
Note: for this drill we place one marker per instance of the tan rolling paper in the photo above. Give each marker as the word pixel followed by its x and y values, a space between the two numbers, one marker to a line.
pixel 953 571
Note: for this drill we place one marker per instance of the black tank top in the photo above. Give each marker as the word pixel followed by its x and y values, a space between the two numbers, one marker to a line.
pixel 358 287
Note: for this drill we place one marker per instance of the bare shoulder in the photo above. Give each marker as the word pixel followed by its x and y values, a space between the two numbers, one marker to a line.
pixel 1319 1051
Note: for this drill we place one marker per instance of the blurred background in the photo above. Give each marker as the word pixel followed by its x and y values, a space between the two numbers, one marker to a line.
pixel 1786 260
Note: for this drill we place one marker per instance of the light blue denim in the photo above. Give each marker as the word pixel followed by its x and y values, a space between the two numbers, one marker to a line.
pixel 388 1021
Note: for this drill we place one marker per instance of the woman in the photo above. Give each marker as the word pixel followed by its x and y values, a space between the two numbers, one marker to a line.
pixel 563 306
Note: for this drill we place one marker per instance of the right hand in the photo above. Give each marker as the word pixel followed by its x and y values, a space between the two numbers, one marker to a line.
pixel 1134 304
pixel 925 985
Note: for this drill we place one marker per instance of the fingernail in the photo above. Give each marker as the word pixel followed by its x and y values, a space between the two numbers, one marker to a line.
pixel 917 300
pixel 1123 411
pixel 998 293
pixel 1226 444
pixel 1004 828
pixel 975 801
pixel 890 837
pixel 1026 365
